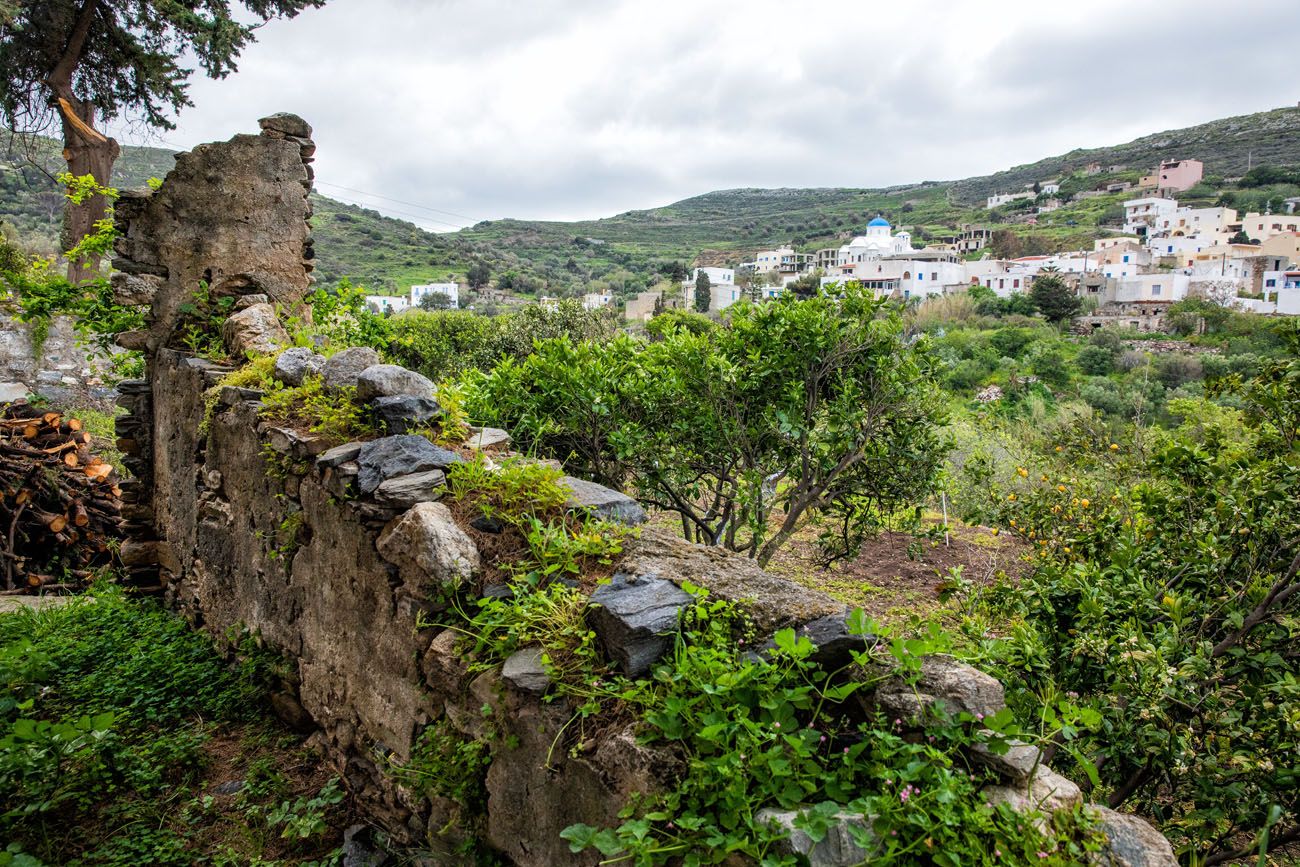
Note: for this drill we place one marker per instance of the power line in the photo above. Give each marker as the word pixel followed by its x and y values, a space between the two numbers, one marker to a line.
pixel 398 201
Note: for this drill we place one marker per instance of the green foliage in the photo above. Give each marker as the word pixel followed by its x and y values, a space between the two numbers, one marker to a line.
pixel 754 733
pixel 104 700
pixel 703 291
pixel 340 315
pixel 445 344
pixel 42 293
pixel 675 318
pixel 794 407
pixel 1054 299
pixel 1164 595
pixel 529 496
pixel 129 64
pixel 331 413
pixel 447 764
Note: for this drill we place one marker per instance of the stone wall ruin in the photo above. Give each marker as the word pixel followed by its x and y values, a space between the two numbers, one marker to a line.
pixel 342 600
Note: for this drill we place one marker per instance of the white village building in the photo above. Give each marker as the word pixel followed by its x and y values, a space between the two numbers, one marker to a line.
pixel 451 290
pixel 877 242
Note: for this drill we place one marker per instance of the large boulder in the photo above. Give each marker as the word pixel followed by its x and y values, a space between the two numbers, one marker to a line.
pixel 382 459
pixel 342 368
pixel 391 380
pixel 428 548
pixel 772 602
pixel 602 502
pixel 296 364
pixel 944 683
pixel 635 618
pixel 1130 842
pixel 254 331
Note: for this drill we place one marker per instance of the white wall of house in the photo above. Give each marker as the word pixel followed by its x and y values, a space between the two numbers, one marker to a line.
pixel 451 290
pixel 1260 227
pixel 1141 215
pixel 1190 221
pixel 596 300
pixel 395 303
pixel 1153 287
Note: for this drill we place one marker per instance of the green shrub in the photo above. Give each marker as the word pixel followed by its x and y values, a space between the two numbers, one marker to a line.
pixel 1164 594
pixel 1095 360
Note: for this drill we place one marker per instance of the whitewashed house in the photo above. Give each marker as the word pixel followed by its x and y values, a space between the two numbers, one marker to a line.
pixel 451 290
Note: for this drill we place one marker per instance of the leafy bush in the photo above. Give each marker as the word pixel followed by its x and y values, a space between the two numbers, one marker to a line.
pixel 444 344
pixel 794 407
pixel 1095 360
pixel 1165 594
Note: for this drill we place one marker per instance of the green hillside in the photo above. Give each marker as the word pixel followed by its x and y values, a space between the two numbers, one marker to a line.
pixel 1225 146
pixel 624 253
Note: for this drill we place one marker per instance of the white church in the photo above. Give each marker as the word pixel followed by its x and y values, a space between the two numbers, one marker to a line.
pixel 879 241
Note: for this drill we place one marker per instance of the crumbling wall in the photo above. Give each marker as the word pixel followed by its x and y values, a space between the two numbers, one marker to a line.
pixel 327 555
pixel 56 365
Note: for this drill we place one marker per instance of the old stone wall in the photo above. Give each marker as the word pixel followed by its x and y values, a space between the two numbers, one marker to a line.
pixel 331 556
pixel 59 367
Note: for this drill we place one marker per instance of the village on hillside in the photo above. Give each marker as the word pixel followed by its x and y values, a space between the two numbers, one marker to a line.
pixel 1165 252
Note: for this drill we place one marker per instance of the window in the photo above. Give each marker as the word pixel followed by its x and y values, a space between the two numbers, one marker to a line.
pixel 1125 258
pixel 1270 282
pixel 1155 289
pixel 1015 284
pixel 934 275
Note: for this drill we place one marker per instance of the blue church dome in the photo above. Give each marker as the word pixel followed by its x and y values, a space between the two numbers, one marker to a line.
pixel 879 221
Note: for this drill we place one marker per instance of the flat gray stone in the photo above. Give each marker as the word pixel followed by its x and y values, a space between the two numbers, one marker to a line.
pixel 382 459
pixel 525 671
pixel 635 618
pixel 835 644
pixel 403 413
pixel 945 683
pixel 339 455
pixel 770 601
pixel 296 364
pixel 390 380
pixel 12 391
pixel 602 502
pixel 403 492
pixel 484 439
pixel 836 849
pixel 342 368
pixel 1016 764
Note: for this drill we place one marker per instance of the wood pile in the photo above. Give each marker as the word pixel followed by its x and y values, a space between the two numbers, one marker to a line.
pixel 60 506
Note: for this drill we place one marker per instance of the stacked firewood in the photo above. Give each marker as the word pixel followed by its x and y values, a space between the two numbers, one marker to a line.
pixel 59 504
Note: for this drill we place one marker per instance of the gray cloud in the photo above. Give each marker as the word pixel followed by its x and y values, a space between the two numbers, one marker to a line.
pixel 582 108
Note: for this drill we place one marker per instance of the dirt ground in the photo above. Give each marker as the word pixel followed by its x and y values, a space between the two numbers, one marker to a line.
pixel 896 575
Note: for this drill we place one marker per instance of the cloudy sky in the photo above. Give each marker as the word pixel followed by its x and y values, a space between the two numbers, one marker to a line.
pixel 461 110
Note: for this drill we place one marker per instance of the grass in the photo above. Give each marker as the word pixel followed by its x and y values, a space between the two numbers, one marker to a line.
pixel 119 726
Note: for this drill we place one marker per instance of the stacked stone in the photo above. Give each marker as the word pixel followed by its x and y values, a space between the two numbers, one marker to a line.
pixel 289 127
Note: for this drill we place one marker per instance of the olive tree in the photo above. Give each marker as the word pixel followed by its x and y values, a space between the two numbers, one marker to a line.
pixel 793 410
pixel 74 64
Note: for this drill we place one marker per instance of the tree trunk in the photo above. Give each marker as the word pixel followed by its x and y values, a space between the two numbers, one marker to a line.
pixel 87 152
